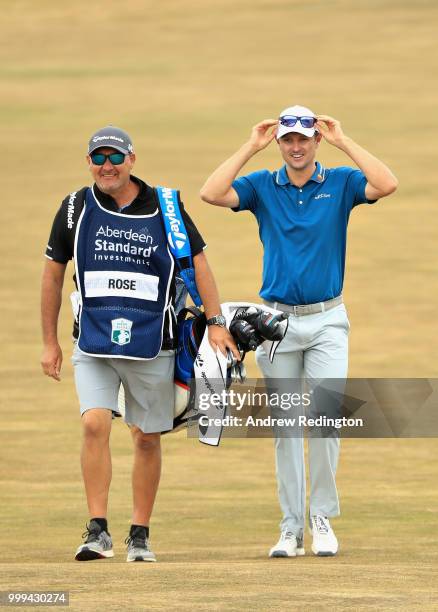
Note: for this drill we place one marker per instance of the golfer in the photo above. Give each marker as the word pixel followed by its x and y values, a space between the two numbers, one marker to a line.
pixel 125 273
pixel 302 211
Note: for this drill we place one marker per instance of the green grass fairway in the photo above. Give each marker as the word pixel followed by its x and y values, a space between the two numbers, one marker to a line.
pixel 188 80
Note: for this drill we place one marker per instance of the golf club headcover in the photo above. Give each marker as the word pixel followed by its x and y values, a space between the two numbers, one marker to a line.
pixel 245 335
pixel 267 326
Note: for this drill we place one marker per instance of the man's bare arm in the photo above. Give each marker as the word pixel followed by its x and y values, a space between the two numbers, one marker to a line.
pixel 217 189
pixel 51 298
pixel 219 337
pixel 381 181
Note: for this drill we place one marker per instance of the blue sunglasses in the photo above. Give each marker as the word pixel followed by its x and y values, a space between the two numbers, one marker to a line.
pixel 291 120
pixel 99 159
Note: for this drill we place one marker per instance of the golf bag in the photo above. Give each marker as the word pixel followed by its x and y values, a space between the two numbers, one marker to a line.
pixel 249 325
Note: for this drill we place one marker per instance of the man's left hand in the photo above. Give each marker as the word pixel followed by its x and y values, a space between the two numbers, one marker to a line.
pixel 220 338
pixel 330 129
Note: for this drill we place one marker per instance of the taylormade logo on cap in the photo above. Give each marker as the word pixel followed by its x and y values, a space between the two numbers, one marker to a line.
pixel 97 138
pixel 113 137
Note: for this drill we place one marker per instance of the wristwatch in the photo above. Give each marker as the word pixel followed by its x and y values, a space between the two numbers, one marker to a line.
pixel 217 320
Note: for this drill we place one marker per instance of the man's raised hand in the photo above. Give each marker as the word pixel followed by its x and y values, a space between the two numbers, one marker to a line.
pixel 330 129
pixel 262 134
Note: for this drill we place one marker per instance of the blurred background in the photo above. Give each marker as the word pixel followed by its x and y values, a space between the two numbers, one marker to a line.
pixel 188 80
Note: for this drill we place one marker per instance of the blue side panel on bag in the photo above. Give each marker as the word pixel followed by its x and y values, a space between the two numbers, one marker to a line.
pixel 186 353
pixel 190 333
pixel 178 239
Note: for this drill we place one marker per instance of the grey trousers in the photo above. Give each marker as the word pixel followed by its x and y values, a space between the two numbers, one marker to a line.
pixel 314 348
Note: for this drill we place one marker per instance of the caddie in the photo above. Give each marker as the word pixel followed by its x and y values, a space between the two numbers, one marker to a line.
pixel 125 274
pixel 302 210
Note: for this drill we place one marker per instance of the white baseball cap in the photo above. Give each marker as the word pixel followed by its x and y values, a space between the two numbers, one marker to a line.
pixel 295 111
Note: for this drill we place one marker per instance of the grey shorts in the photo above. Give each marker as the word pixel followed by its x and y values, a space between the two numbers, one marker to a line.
pixel 148 385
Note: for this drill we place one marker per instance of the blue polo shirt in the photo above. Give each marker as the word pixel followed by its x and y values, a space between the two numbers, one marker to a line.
pixel 303 230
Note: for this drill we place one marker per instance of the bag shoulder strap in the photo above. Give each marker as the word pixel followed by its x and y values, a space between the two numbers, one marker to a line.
pixel 178 239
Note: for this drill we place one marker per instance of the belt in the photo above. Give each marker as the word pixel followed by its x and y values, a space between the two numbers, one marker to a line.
pixel 306 309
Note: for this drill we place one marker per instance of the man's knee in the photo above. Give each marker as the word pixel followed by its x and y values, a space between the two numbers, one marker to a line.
pixel 146 442
pixel 96 423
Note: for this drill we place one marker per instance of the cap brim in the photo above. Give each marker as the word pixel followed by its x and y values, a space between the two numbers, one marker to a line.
pixel 107 145
pixel 284 129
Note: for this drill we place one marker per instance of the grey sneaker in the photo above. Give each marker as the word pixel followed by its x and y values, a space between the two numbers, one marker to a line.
pixel 97 545
pixel 138 546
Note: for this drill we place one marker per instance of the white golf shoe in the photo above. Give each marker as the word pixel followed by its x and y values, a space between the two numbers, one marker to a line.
pixel 287 546
pixel 324 542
